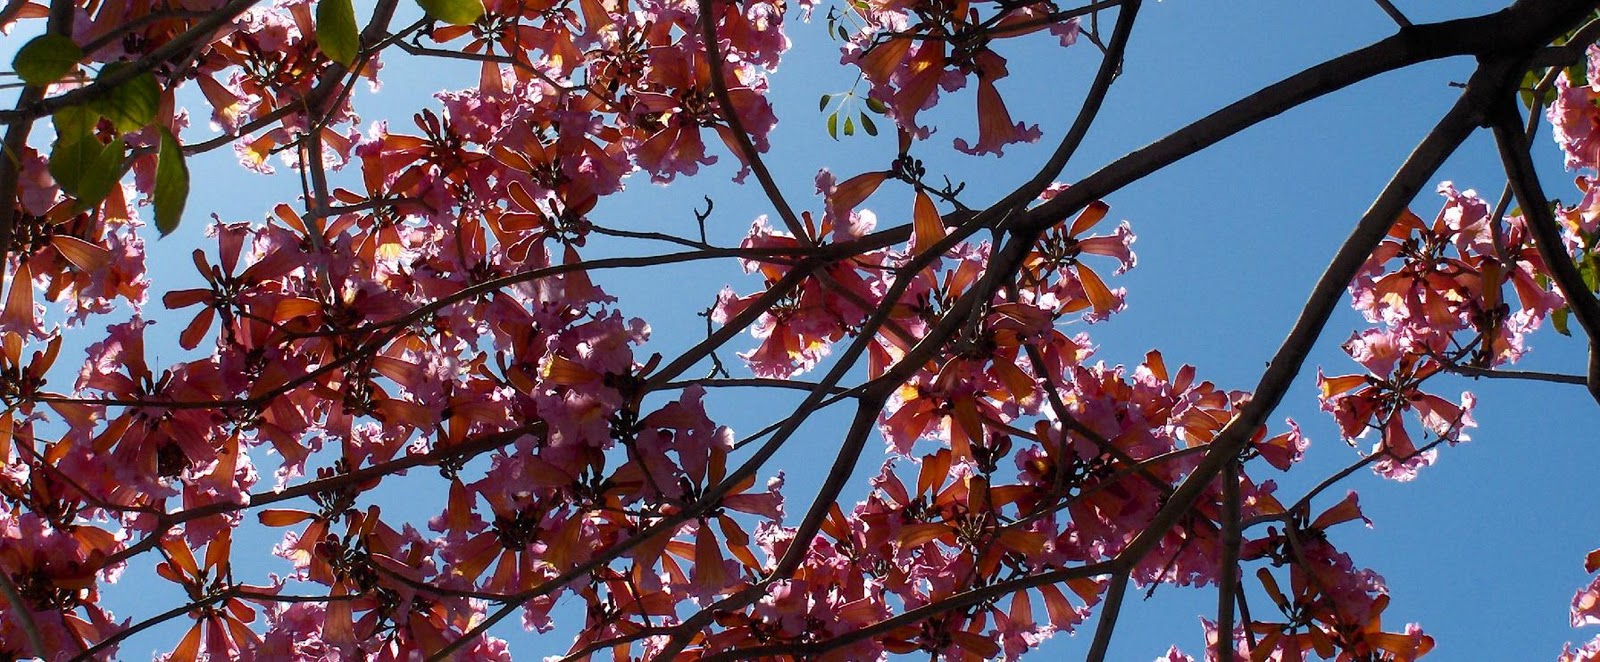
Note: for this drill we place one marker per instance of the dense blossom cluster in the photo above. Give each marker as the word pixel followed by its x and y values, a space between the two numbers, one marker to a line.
pixel 431 308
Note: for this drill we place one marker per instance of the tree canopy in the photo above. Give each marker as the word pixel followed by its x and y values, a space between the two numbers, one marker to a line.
pixel 421 342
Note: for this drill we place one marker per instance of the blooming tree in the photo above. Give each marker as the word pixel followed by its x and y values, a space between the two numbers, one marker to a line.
pixel 425 304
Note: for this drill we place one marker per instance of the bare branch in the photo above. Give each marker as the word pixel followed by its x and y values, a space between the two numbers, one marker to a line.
pixel 1530 375
pixel 1228 562
pixel 1399 19
pixel 1109 611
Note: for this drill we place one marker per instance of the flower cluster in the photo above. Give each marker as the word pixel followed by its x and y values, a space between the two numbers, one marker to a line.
pixel 428 305
pixel 910 51
pixel 1439 295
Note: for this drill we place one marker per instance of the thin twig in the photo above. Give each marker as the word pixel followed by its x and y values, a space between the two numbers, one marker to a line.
pixel 1303 504
pixel 466 449
pixel 1476 372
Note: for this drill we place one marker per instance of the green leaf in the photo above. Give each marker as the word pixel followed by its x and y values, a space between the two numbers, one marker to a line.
pixel 866 123
pixel 336 31
pixel 131 105
pixel 46 58
pixel 172 184
pixel 849 126
pixel 74 121
pixel 1558 319
pixel 454 12
pixel 877 106
pixel 70 158
pixel 105 173
pixel 86 169
pixel 822 104
pixel 76 152
pixel 833 126
pixel 1591 274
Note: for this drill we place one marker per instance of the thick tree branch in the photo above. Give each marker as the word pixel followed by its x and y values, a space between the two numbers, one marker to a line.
pixel 1513 144
pixel 1520 29
pixel 1228 563
pixel 1110 610
pixel 1492 80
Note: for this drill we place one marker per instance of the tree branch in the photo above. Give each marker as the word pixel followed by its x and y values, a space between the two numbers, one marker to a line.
pixel 1108 617
pixel 1399 19
pixel 1228 563
pixel 1491 80
pixel 730 114
pixel 1530 375
pixel 1513 145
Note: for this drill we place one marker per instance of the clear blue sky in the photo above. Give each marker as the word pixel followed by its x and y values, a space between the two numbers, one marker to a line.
pixel 1485 549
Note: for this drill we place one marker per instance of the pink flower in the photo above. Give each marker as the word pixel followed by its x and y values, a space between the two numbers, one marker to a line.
pixel 1589 652
pixel 995 128
pixel 1586 605
pixel 1574 119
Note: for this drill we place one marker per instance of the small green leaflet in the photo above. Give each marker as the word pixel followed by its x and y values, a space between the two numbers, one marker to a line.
pixel 454 12
pixel 336 31
pixel 172 184
pixel 866 123
pixel 1558 318
pixel 46 58
pixel 131 105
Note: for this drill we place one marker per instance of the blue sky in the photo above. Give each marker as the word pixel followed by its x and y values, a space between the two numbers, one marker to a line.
pixel 1484 549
